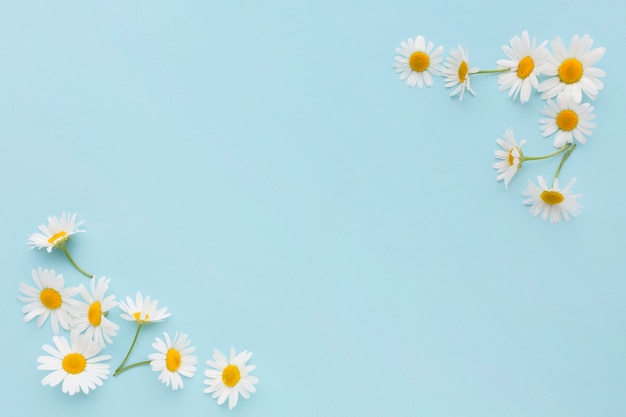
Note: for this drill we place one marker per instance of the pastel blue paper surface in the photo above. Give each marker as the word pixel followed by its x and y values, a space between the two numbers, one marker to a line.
pixel 261 171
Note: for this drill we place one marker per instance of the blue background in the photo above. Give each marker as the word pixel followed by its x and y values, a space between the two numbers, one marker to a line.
pixel 259 169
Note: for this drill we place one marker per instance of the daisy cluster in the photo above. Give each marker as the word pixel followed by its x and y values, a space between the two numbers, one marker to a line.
pixel 566 80
pixel 82 330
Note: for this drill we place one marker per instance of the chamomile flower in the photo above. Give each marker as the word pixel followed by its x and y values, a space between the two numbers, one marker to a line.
pixel 457 72
pixel 552 202
pixel 526 61
pixel 568 119
pixel 142 310
pixel 173 360
pixel 418 61
pixel 572 70
pixel 90 315
pixel 56 233
pixel 74 363
pixel 229 378
pixel 49 298
pixel 511 157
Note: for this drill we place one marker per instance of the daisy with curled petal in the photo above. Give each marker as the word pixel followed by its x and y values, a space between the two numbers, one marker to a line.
pixel 568 119
pixel 74 363
pixel 49 298
pixel 143 310
pixel 572 70
pixel 229 378
pixel 173 360
pixel 552 202
pixel 418 62
pixel 511 157
pixel 56 234
pixel 526 61
pixel 91 315
pixel 457 72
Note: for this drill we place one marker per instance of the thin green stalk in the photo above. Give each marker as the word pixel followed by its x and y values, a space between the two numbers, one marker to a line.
pixel 67 254
pixel 565 156
pixel 134 365
pixel 132 346
pixel 495 71
pixel 536 158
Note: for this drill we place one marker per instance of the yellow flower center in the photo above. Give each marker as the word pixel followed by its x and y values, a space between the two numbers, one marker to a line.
pixel 552 197
pixel 58 236
pixel 570 71
pixel 419 61
pixel 94 314
pixel 567 120
pixel 511 157
pixel 172 360
pixel 463 70
pixel 231 376
pixel 525 67
pixel 137 316
pixel 74 363
pixel 50 298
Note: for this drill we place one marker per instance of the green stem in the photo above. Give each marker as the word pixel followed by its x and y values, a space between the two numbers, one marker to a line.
pixel 134 365
pixel 536 158
pixel 132 346
pixel 565 156
pixel 495 71
pixel 81 270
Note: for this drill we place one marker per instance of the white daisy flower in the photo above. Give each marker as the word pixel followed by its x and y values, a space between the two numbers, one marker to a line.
pixel 228 379
pixel 568 119
pixel 143 310
pixel 90 315
pixel 418 62
pixel 173 360
pixel 571 70
pixel 75 364
pixel 457 72
pixel 511 157
pixel 48 299
pixel 553 202
pixel 56 233
pixel 526 62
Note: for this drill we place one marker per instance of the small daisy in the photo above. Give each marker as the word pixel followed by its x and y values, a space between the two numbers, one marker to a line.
pixel 228 379
pixel 457 72
pixel 142 311
pixel 526 62
pixel 56 233
pixel 568 119
pixel 511 157
pixel 572 70
pixel 90 316
pixel 75 364
pixel 418 62
pixel 552 202
pixel 48 299
pixel 173 360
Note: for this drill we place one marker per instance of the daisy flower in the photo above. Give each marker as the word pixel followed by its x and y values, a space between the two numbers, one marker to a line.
pixel 511 157
pixel 229 378
pixel 572 70
pixel 90 315
pixel 526 62
pixel 49 298
pixel 418 62
pixel 56 233
pixel 75 364
pixel 142 310
pixel 568 119
pixel 552 202
pixel 173 360
pixel 457 72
